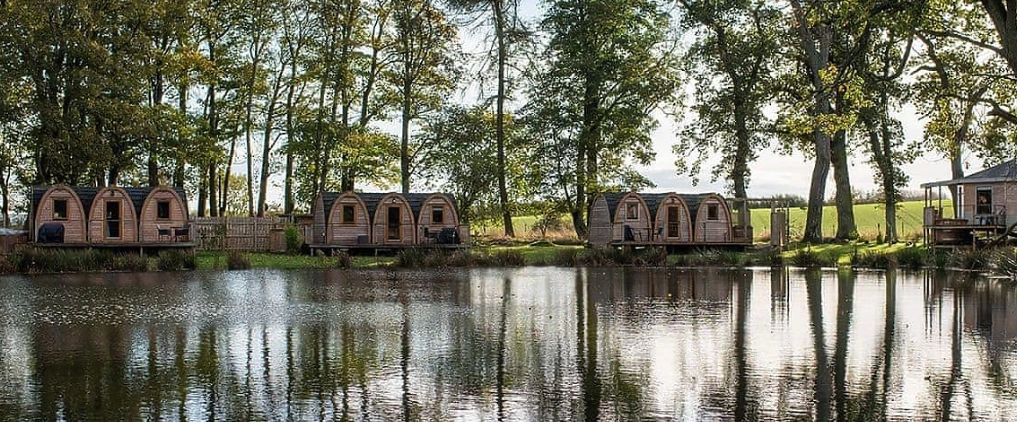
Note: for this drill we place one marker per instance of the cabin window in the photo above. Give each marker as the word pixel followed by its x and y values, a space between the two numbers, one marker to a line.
pixel 349 214
pixel 438 215
pixel 113 219
pixel 162 210
pixel 712 212
pixel 59 209
pixel 983 200
pixel 632 211
pixel 394 217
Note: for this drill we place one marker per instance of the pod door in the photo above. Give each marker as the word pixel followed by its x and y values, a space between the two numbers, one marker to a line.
pixel 393 231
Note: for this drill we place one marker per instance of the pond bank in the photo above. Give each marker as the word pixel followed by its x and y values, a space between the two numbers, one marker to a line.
pixel 857 255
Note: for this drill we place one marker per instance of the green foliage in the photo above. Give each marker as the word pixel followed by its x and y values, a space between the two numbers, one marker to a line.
pixel 343 260
pixel 808 258
pixel 40 260
pixel 462 155
pixel 294 239
pixel 236 260
pixel 175 260
pixel 8 264
pixel 971 259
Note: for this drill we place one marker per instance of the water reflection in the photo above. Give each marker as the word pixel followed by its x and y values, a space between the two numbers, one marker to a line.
pixel 546 344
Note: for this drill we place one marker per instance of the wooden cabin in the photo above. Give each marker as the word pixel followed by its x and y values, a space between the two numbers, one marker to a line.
pixel 619 218
pixel 387 220
pixel 110 216
pixel 163 215
pixel 435 213
pixel 984 201
pixel 348 221
pixel 59 205
pixel 711 219
pixel 393 222
pixel 672 220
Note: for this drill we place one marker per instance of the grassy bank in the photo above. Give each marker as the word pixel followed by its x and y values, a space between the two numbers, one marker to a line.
pixel 857 255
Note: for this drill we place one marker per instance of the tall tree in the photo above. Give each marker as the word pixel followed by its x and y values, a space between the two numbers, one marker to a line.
pixel 425 70
pixel 509 32
pixel 612 64
pixel 464 155
pixel 732 60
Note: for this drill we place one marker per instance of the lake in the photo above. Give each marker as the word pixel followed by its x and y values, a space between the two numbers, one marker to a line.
pixel 517 344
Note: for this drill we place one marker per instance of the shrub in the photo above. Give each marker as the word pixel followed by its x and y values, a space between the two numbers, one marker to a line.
pixel 507 259
pixel 568 257
pixel 293 239
pixel 938 259
pixel 175 260
pixel 128 262
pixel 971 259
pixel 7 264
pixel 410 258
pixel 1004 263
pixel 872 259
pixel 914 258
pixel 807 258
pixel 343 260
pixel 236 260
pixel 36 260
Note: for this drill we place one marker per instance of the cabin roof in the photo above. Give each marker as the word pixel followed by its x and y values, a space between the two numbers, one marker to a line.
pixel 373 199
pixel 87 195
pixel 654 201
pixel 417 200
pixel 613 198
pixel 694 201
pixel 1003 172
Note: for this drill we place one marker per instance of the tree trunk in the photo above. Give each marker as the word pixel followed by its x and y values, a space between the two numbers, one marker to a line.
pixel 817 189
pixel 846 229
pixel 213 201
pixel 404 147
pixel 288 202
pixel 202 195
pixel 5 203
pixel 503 199
pixel 578 206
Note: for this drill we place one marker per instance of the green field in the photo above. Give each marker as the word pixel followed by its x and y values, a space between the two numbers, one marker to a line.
pixel 868 217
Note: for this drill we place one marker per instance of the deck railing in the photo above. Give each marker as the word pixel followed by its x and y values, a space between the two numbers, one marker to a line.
pixel 975 215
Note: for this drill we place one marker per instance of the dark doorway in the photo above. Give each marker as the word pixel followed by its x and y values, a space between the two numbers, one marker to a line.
pixel 394 220
pixel 113 219
pixel 672 221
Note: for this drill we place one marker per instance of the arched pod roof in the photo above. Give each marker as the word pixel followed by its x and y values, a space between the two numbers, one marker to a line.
pixel 417 201
pixel 87 195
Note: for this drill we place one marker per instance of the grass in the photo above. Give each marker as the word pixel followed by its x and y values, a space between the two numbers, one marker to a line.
pixel 217 261
pixel 868 217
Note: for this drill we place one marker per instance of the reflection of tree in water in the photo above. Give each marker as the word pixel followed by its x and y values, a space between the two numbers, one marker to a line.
pixel 823 383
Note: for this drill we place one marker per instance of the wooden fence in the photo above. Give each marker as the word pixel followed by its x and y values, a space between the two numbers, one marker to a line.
pixel 236 233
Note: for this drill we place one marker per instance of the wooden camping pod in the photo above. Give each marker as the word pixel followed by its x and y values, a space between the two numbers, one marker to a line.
pixel 672 221
pixel 163 212
pixel 71 212
pixel 348 221
pixel 619 218
pixel 112 217
pixel 711 218
pixel 393 222
pixel 435 212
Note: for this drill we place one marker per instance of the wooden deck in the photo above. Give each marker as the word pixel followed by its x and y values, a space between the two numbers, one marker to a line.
pixel 132 245
pixel 374 247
